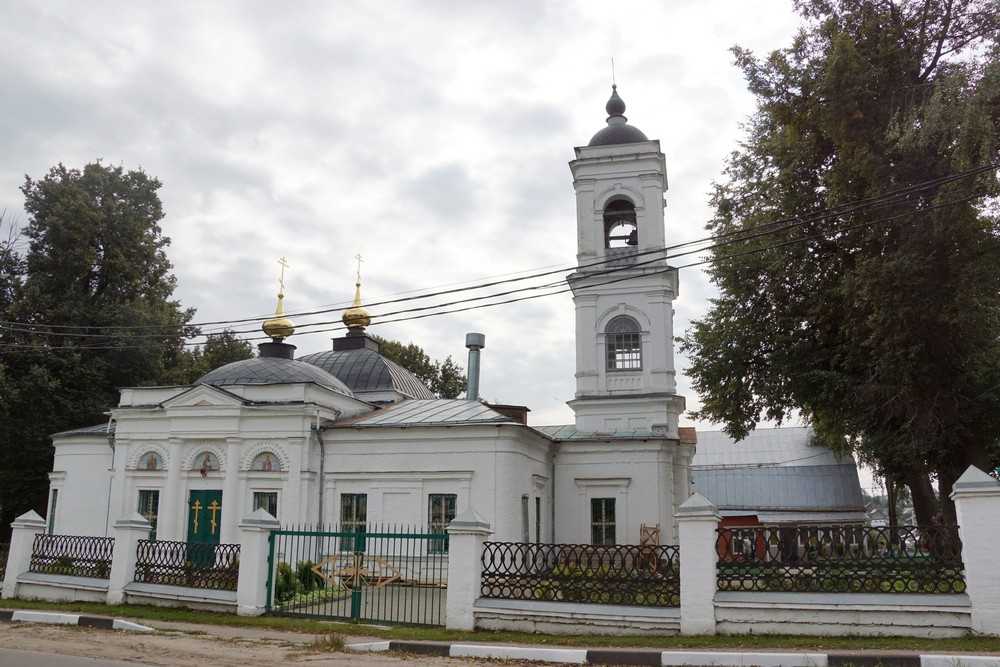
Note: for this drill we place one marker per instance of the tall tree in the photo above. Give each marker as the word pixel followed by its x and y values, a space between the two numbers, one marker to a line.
pixel 883 336
pixel 219 349
pixel 444 378
pixel 95 260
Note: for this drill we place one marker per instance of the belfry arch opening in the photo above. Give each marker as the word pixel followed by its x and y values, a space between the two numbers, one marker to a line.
pixel 620 227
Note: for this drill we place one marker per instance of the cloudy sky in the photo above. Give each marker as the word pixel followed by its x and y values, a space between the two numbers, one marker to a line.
pixel 431 137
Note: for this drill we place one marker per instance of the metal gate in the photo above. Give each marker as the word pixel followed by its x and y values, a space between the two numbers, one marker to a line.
pixel 380 576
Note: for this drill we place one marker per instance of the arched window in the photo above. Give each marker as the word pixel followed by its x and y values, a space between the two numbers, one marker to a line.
pixel 620 228
pixel 206 462
pixel 265 462
pixel 150 461
pixel 624 344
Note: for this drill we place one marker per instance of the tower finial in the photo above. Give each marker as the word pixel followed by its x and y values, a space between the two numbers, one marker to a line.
pixel 280 327
pixel 614 84
pixel 356 317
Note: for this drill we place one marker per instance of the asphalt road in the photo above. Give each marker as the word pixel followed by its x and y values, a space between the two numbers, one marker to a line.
pixel 14 658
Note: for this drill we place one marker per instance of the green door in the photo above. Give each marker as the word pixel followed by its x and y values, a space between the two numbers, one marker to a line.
pixel 204 517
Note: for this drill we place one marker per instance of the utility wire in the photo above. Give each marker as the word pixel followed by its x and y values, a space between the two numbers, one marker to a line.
pixel 563 290
pixel 885 199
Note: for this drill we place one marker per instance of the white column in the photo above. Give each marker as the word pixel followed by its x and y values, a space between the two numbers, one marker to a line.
pixel 127 533
pixel 172 505
pixel 977 504
pixel 251 588
pixel 466 534
pixel 697 521
pixel 22 538
pixel 232 499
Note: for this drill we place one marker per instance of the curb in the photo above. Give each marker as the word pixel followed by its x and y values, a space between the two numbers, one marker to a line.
pixel 52 618
pixel 582 656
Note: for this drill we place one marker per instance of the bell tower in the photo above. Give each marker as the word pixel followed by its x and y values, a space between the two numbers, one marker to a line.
pixel 623 288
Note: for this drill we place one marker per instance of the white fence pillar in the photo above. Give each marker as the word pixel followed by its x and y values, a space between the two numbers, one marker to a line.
pixel 466 534
pixel 697 521
pixel 977 504
pixel 127 533
pixel 22 537
pixel 251 587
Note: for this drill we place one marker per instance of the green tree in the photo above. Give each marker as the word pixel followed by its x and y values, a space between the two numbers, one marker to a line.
pixel 218 350
pixel 94 261
pixel 444 378
pixel 883 336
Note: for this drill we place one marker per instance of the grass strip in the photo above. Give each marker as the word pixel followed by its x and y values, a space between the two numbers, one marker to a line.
pixel 968 644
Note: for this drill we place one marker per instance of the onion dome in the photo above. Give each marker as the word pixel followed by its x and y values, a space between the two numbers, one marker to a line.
pixel 356 317
pixel 279 327
pixel 618 130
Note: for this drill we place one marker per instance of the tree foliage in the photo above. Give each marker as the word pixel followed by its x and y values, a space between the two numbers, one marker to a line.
pixel 444 378
pixel 94 259
pixel 219 349
pixel 883 336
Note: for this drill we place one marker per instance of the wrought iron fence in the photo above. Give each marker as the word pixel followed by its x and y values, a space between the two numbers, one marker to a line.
pixel 644 575
pixel 188 564
pixel 381 574
pixel 72 555
pixel 840 559
pixel 4 551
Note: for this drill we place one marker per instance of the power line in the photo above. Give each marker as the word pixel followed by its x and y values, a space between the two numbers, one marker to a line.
pixel 888 198
pixel 752 251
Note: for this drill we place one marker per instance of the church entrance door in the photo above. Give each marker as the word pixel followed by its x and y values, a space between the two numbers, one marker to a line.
pixel 204 519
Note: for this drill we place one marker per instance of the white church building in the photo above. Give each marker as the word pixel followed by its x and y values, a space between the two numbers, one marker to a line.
pixel 347 437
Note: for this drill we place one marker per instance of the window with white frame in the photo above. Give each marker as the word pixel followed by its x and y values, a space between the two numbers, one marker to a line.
pixel 353 512
pixel 623 341
pixel 440 512
pixel 52 511
pixel 149 508
pixel 602 521
pixel 267 501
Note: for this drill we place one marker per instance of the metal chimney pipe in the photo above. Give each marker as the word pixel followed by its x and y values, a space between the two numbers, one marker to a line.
pixel 475 342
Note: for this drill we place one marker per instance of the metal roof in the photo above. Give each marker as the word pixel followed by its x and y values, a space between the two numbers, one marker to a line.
pixel 788 445
pixel 804 488
pixel 367 370
pixel 272 370
pixel 97 429
pixel 570 432
pixel 435 412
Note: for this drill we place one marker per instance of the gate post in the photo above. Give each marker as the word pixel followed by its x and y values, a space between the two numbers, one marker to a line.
pixel 22 540
pixel 251 586
pixel 977 504
pixel 697 521
pixel 124 554
pixel 466 534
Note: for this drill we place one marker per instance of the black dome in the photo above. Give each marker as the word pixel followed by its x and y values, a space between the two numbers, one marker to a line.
pixel 364 369
pixel 618 130
pixel 272 370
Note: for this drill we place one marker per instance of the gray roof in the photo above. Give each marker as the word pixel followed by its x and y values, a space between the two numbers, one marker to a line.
pixel 435 412
pixel 569 432
pixel 618 134
pixel 272 370
pixel 367 370
pixel 787 445
pixel 97 429
pixel 802 488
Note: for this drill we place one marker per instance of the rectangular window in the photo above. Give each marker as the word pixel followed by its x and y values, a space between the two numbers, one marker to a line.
pixel 267 501
pixel 624 351
pixel 538 520
pixel 602 521
pixel 52 511
pixel 440 512
pixel 525 530
pixel 353 512
pixel 149 508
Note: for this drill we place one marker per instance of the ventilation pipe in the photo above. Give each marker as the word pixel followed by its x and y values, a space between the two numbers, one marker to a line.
pixel 475 342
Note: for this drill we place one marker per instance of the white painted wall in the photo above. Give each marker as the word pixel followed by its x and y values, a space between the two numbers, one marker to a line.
pixel 81 471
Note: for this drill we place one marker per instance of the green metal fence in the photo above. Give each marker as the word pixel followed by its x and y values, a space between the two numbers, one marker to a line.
pixel 379 574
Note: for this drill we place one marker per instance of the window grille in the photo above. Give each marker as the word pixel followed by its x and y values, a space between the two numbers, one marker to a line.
pixel 440 512
pixel 353 515
pixel 602 521
pixel 624 344
pixel 149 508
pixel 267 501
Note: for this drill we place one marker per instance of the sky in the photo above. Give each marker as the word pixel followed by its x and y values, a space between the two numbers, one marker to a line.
pixel 430 137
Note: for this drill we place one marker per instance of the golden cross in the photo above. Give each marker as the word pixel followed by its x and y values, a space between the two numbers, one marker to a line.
pixel 196 507
pixel 358 257
pixel 214 507
pixel 281 279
